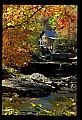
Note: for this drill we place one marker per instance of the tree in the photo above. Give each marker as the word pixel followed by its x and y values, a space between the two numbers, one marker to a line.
pixel 16 46
pixel 22 25
pixel 65 21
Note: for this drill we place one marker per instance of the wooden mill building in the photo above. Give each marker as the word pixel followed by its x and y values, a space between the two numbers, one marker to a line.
pixel 47 38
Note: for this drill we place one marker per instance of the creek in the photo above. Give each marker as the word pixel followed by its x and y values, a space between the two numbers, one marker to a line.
pixel 53 70
pixel 25 106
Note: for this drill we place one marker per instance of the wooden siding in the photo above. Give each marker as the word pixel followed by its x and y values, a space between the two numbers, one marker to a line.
pixel 46 41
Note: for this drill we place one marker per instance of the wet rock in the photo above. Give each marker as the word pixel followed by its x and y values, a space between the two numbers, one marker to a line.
pixel 37 85
pixel 61 56
pixel 51 69
pixel 40 78
pixel 68 82
pixel 71 78
pixel 26 112
pixel 67 90
pixel 74 58
pixel 30 89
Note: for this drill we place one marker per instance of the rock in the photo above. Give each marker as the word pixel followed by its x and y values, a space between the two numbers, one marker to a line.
pixel 26 112
pixel 60 56
pixel 74 58
pixel 51 68
pixel 6 74
pixel 40 78
pixel 70 68
pixel 26 88
pixel 67 82
pixel 71 78
pixel 67 90
pixel 36 84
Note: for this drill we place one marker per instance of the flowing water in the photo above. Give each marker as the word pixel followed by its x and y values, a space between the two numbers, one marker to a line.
pixel 25 106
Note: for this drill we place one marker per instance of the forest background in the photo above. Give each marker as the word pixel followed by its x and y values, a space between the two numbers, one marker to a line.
pixel 22 25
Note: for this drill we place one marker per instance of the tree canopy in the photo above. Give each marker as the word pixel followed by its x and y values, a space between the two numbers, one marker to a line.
pixel 22 25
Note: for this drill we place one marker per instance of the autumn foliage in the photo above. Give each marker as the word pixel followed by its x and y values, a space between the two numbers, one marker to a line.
pixel 15 47
pixel 22 25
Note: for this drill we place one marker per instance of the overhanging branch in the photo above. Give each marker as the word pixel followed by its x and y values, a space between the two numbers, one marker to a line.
pixel 13 26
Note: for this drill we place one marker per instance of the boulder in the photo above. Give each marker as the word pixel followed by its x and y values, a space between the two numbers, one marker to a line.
pixel 26 87
pixel 36 84
pixel 40 78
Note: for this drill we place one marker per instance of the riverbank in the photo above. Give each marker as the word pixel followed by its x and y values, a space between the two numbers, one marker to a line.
pixel 60 100
pixel 59 104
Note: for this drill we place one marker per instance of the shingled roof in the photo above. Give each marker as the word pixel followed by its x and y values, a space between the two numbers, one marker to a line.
pixel 50 33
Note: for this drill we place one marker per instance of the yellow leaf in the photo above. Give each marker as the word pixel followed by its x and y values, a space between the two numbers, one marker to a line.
pixel 33 105
pixel 9 24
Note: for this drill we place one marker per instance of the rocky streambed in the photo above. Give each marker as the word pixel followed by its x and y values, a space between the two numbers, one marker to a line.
pixel 37 85
pixel 43 79
pixel 38 89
